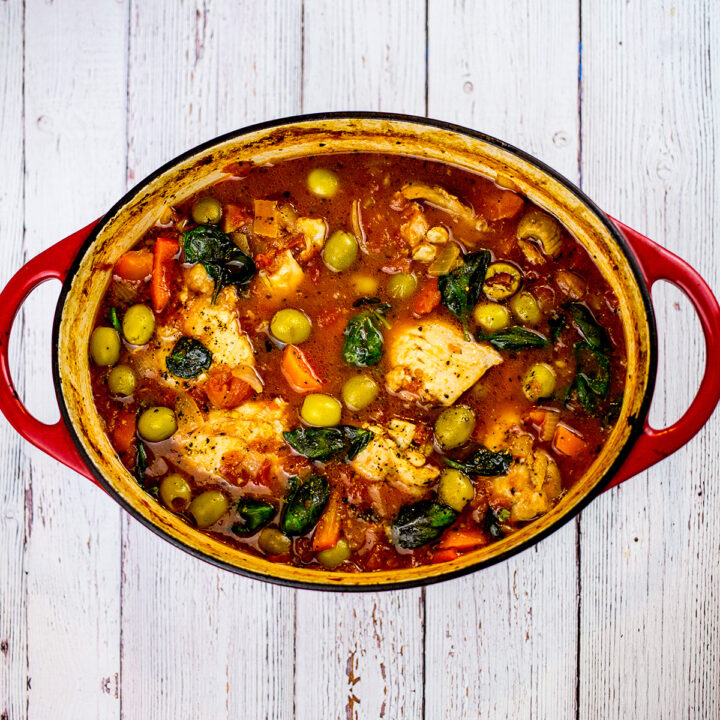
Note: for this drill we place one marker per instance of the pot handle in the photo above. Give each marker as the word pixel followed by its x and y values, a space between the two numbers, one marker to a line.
pixel 657 263
pixel 51 264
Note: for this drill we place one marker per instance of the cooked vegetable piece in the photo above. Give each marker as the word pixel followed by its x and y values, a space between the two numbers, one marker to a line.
pixel 455 489
pixel 335 556
pixel 502 280
pixel 428 298
pixel 188 359
pixel 557 324
pixel 305 505
pixel 359 391
pixel 225 389
pixel 273 542
pixel 516 338
pixel 115 319
pixel 323 182
pixel 462 539
pixel 421 523
pixel 493 521
pixel 497 204
pixel 539 382
pixel 445 260
pixel 487 463
pixel 321 410
pixel 327 532
pixel 163 257
pixel 290 326
pixel 363 344
pixel 340 251
pixel 253 514
pixel 207 211
pixel 208 507
pixel 539 227
pixel 140 463
pixel 526 308
pixel 460 289
pixel 402 285
pixel 175 492
pixel 156 424
pixel 491 317
pixel 138 324
pixel 134 265
pixel 123 434
pixel 121 380
pixel 105 346
pixel 567 441
pixel 571 284
pixel 298 371
pixel 454 426
pixel 592 380
pixel 317 443
pixel 593 334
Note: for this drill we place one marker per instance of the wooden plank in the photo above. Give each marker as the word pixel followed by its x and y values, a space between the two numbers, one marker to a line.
pixel 13 482
pixel 195 639
pixel 74 121
pixel 360 656
pixel 650 619
pixel 502 643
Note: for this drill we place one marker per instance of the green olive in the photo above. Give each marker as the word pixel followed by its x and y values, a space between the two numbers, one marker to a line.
pixel 208 507
pixel 455 489
pixel 491 317
pixel 290 326
pixel 207 211
pixel 138 324
pixel 454 426
pixel 323 182
pixel 539 382
pixel 341 251
pixel 332 557
pixel 525 307
pixel 105 346
pixel 321 410
pixel 359 391
pixel 157 423
pixel 273 542
pixel 402 285
pixel 121 380
pixel 501 281
pixel 175 492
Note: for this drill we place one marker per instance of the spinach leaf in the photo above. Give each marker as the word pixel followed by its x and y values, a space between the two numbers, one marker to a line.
pixel 484 462
pixel 515 338
pixel 370 301
pixel 557 325
pixel 323 443
pixel 493 520
pixel 363 345
pixel 188 359
pixel 226 263
pixel 460 288
pixel 115 320
pixel 421 523
pixel 254 514
pixel 305 505
pixel 592 380
pixel 140 463
pixel 593 334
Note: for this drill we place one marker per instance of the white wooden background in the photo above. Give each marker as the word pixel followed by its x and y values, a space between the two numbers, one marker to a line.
pixel 617 615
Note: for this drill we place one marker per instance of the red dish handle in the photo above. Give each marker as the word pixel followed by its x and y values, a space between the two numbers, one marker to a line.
pixel 52 264
pixel 657 263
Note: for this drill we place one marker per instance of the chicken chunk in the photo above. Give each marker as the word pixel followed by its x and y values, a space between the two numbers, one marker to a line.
pixel 433 362
pixel 284 276
pixel 314 231
pixel 442 199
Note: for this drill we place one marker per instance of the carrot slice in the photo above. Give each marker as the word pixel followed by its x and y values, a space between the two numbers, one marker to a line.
pixel 567 441
pixel 441 556
pixel 327 532
pixel 267 218
pixel 462 539
pixel 500 204
pixel 134 265
pixel 123 433
pixel 298 371
pixel 427 299
pixel 234 217
pixel 165 251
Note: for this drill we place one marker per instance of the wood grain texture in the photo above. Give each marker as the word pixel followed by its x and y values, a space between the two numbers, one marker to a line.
pixel 196 640
pixel 74 122
pixel 361 656
pixel 502 643
pixel 650 552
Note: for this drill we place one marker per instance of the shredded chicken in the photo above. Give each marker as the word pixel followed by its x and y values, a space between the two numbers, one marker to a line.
pixel 443 200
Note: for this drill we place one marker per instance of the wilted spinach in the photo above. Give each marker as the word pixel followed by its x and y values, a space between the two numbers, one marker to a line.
pixel 363 345
pixel 593 334
pixel 188 359
pixel 226 263
pixel 140 463
pixel 592 380
pixel 515 338
pixel 305 504
pixel 493 520
pixel 460 288
pixel 323 443
pixel 421 523
pixel 483 462
pixel 557 325
pixel 254 514
pixel 115 319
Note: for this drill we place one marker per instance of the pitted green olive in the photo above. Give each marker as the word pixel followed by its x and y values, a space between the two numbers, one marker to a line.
pixel 454 426
pixel 491 317
pixel 175 492
pixel 138 324
pixel 402 285
pixel 334 556
pixel 502 280
pixel 273 542
pixel 321 410
pixel 156 424
pixel 121 380
pixel 207 211
pixel 359 391
pixel 526 308
pixel 340 251
pixel 208 507
pixel 455 489
pixel 105 346
pixel 539 382
pixel 322 182
pixel 290 326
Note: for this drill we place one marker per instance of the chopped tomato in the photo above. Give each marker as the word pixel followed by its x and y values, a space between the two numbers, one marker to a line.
pixel 234 217
pixel 441 556
pixel 298 371
pixel 123 433
pixel 462 539
pixel 327 532
pixel 497 204
pixel 165 251
pixel 134 265
pixel 427 299
pixel 224 390
pixel 264 259
pixel 568 441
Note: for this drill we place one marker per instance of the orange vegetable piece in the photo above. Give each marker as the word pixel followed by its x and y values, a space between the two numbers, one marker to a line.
pixel 123 433
pixel 225 390
pixel 134 265
pixel 298 371
pixel 462 539
pixel 327 532
pixel 567 441
pixel 442 556
pixel 165 251
pixel 427 299
pixel 234 217
pixel 267 218
pixel 500 204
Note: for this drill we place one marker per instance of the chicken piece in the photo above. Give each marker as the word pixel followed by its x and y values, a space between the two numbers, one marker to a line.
pixel 196 279
pixel 390 456
pixel 242 439
pixel 414 229
pixel 284 276
pixel 314 231
pixel 433 362
pixel 443 200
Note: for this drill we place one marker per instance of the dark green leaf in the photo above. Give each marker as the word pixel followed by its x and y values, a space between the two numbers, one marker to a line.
pixel 460 289
pixel 305 505
pixel 592 380
pixel 323 443
pixel 587 325
pixel 584 394
pixel 483 462
pixel 557 325
pixel 188 359
pixel 140 463
pixel 370 301
pixel 515 338
pixel 493 520
pixel 421 523
pixel 115 320
pixel 363 345
pixel 254 514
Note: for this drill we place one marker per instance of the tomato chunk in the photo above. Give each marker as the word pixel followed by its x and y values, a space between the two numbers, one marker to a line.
pixel 165 251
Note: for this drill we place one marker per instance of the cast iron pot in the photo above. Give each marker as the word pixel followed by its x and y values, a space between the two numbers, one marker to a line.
pixel 83 262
